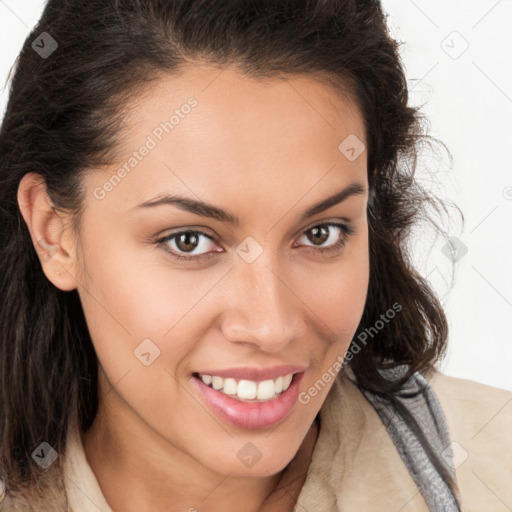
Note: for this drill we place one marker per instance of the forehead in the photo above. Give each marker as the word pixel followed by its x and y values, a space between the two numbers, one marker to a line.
pixel 210 131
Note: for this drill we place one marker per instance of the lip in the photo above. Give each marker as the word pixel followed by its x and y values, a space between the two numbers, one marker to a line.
pixel 250 415
pixel 255 374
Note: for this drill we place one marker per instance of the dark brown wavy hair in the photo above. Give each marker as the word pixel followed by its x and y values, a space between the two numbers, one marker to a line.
pixel 64 116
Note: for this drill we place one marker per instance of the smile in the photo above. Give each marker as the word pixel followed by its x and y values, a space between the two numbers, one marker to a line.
pixel 248 390
pixel 249 404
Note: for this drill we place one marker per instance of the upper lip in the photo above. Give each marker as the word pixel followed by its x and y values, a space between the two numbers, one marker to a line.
pixel 255 374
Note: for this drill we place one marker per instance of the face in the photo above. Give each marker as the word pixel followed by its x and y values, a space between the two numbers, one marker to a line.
pixel 247 288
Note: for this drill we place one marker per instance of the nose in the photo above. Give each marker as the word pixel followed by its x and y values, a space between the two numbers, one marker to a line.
pixel 263 310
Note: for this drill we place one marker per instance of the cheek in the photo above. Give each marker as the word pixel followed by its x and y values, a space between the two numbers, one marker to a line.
pixel 341 297
pixel 337 292
pixel 141 318
pixel 132 294
pixel 337 298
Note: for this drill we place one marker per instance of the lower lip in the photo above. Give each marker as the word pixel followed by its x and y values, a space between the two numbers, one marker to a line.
pixel 251 415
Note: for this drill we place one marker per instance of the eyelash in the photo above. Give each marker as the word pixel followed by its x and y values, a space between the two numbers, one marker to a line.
pixel 345 229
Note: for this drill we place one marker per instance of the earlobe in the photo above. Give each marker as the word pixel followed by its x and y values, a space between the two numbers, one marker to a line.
pixel 53 244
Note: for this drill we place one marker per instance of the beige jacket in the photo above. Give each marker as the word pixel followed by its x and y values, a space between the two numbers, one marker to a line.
pixel 355 466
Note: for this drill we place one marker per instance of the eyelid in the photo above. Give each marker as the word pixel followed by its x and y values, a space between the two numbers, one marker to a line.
pixel 206 232
pixel 346 229
pixel 325 222
pixel 344 225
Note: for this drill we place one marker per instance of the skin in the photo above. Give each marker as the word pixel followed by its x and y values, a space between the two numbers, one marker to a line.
pixel 266 151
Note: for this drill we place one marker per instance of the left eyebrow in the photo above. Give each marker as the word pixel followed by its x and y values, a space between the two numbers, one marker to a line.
pixel 214 212
pixel 351 190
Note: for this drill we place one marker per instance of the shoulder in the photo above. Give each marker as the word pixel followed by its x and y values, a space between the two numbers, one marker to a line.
pixel 479 419
pixel 471 407
pixel 457 387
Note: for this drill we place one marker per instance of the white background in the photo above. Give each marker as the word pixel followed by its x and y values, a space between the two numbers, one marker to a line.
pixel 467 97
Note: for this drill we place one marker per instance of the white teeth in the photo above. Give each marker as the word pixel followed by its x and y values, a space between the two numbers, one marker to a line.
pixel 207 379
pixel 287 379
pixel 230 386
pixel 266 390
pixel 248 389
pixel 217 382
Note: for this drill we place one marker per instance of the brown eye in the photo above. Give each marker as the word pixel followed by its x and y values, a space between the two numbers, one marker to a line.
pixel 319 234
pixel 322 233
pixel 333 232
pixel 185 242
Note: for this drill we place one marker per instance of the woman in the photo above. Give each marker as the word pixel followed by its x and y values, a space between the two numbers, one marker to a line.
pixel 208 299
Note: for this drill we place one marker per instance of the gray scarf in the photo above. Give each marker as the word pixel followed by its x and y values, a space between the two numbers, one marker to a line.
pixel 420 400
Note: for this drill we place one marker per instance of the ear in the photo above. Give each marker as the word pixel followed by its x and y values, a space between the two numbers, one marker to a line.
pixel 54 243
